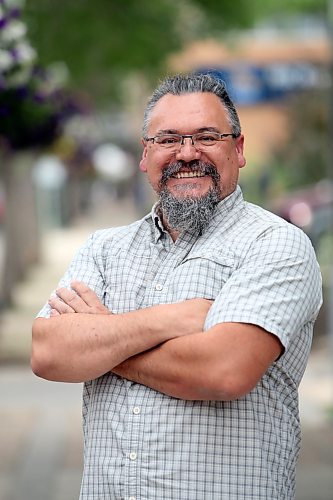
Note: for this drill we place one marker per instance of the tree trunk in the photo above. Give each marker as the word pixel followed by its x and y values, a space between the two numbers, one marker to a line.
pixel 21 240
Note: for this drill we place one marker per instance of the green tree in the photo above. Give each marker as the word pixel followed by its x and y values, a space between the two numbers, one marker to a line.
pixel 103 41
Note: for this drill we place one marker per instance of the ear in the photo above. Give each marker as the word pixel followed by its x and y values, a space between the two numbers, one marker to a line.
pixel 240 151
pixel 142 163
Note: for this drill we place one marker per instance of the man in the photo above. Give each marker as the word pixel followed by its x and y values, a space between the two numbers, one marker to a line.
pixel 191 328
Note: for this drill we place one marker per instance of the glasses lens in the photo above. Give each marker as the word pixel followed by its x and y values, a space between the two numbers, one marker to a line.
pixel 201 140
pixel 205 139
pixel 168 140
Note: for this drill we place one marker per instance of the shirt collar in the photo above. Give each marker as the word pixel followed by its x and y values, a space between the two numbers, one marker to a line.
pixel 155 217
pixel 222 209
pixel 227 204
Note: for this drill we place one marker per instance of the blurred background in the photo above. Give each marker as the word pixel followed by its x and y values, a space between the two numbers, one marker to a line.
pixel 74 81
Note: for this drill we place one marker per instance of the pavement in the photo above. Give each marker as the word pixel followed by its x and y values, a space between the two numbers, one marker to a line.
pixel 40 431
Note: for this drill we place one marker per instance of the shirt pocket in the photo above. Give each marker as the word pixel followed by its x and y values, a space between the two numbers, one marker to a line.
pixel 126 275
pixel 201 274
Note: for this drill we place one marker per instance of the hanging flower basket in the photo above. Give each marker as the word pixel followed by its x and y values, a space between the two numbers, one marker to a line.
pixel 33 102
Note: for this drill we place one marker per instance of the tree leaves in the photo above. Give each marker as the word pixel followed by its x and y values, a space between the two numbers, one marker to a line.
pixel 103 40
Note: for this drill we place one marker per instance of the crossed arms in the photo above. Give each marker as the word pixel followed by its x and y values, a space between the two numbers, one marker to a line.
pixel 163 347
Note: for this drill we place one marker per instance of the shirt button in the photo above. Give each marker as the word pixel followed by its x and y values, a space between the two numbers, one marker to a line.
pixel 131 498
pixel 136 410
pixel 132 455
pixel 158 287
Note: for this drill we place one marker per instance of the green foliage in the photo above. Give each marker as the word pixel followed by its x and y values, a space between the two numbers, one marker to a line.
pixel 228 14
pixel 101 41
pixel 278 7
pixel 231 14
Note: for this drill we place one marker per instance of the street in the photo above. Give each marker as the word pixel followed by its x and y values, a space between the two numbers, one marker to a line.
pixel 40 435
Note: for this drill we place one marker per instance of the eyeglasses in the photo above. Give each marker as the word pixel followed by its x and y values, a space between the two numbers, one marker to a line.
pixel 201 140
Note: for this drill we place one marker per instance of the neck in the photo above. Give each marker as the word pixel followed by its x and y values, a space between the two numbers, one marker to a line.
pixel 173 232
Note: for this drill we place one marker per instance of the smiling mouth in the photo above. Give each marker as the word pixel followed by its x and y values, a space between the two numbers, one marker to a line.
pixel 188 175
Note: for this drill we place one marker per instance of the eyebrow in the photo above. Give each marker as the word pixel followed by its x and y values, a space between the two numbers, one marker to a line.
pixel 201 129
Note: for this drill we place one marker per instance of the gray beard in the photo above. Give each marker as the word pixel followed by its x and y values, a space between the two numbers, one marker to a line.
pixel 185 213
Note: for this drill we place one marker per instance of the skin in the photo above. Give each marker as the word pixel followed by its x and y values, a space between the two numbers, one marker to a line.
pixel 188 114
pixel 223 363
pixel 178 367
pixel 83 340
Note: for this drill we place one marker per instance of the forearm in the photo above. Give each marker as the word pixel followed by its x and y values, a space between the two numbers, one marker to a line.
pixel 79 347
pixel 221 364
pixel 181 368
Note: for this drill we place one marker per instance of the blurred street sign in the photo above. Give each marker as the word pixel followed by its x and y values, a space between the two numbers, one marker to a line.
pixel 251 84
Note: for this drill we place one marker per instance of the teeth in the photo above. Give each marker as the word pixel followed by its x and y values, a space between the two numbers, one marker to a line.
pixel 182 175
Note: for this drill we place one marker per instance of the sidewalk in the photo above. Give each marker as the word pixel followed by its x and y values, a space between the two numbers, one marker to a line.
pixel 40 434
pixel 58 248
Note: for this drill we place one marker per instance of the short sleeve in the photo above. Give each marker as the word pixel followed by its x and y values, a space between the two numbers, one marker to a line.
pixel 277 285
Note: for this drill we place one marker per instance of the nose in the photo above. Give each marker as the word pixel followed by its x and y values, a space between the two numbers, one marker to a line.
pixel 187 151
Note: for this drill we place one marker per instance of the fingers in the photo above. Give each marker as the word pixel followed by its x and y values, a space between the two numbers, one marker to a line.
pixel 59 307
pixel 54 313
pixel 72 302
pixel 90 298
pixel 79 299
pixel 86 293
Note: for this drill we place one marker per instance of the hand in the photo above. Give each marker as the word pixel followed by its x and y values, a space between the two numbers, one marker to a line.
pixel 81 299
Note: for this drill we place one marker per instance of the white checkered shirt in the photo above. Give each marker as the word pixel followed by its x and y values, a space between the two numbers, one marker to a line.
pixel 141 444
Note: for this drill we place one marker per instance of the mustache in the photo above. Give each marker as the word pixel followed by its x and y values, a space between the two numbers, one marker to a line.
pixel 198 166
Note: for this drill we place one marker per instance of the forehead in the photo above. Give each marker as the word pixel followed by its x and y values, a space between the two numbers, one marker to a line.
pixel 189 112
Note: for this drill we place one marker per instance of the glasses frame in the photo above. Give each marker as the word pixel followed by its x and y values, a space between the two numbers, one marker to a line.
pixel 182 137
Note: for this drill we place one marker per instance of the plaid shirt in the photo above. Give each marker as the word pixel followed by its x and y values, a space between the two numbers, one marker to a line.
pixel 141 444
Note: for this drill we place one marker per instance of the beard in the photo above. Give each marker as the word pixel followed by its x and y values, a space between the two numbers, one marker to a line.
pixel 185 212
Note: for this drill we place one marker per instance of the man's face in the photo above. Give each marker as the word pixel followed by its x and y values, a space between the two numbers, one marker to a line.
pixel 189 114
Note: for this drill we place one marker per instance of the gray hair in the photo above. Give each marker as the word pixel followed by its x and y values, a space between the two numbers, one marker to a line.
pixel 187 84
